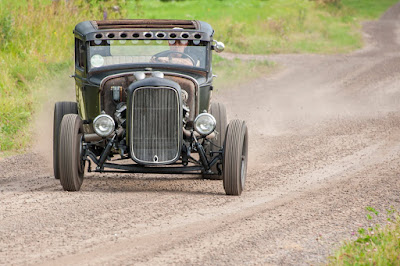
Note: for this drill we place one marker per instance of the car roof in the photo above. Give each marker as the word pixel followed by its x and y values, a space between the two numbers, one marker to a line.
pixel 126 28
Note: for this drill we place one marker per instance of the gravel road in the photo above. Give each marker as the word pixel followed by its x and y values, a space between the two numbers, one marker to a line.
pixel 324 144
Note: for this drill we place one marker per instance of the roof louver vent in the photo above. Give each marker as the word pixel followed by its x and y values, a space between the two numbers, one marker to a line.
pixel 145 24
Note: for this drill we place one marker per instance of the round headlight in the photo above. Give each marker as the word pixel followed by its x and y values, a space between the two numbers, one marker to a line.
pixel 103 125
pixel 205 124
pixel 97 60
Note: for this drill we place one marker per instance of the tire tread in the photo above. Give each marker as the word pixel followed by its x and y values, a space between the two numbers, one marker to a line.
pixel 70 177
pixel 236 143
pixel 60 109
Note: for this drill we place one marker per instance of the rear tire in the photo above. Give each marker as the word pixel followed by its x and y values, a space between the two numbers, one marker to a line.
pixel 235 157
pixel 70 157
pixel 60 109
pixel 219 112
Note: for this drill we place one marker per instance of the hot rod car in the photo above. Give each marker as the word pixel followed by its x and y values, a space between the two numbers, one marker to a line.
pixel 143 90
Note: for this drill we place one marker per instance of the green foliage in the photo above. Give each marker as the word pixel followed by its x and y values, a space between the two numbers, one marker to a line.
pixel 109 8
pixel 336 3
pixel 274 26
pixel 366 9
pixel 6 29
pixel 232 72
pixel 371 210
pixel 36 43
pixel 375 245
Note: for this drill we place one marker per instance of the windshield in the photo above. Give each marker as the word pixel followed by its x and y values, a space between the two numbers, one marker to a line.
pixel 176 52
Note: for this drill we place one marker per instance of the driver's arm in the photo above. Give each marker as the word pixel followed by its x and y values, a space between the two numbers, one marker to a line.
pixel 172 60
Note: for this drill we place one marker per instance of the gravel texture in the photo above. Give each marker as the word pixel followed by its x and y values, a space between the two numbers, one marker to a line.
pixel 324 144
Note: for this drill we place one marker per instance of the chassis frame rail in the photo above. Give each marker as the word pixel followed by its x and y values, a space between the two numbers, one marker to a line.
pixel 133 168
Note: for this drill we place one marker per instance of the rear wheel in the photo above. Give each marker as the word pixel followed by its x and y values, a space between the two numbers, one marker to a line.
pixel 235 157
pixel 71 153
pixel 219 112
pixel 60 109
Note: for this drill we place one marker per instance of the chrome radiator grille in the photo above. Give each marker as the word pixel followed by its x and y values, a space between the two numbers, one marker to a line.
pixel 155 129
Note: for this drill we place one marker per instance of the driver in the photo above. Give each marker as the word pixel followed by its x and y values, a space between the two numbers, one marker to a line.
pixel 176 55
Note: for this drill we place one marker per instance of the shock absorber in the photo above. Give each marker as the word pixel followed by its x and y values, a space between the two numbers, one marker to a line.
pixel 202 153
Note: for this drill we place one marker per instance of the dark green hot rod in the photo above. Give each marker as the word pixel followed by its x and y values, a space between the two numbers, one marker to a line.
pixel 143 90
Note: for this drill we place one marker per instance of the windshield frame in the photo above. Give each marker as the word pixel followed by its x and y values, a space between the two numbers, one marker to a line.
pixel 204 59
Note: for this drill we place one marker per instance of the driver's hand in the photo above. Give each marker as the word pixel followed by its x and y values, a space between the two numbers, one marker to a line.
pixel 174 60
pixel 182 61
pixel 162 60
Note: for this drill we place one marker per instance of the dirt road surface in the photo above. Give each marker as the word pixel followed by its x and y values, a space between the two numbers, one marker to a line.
pixel 325 144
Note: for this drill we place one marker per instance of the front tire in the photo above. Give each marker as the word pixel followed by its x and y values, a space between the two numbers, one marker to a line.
pixel 70 157
pixel 235 157
pixel 60 109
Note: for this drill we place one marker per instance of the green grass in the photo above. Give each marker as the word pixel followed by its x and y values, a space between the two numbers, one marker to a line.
pixel 233 72
pixel 36 43
pixel 273 26
pixel 375 245
pixel 367 9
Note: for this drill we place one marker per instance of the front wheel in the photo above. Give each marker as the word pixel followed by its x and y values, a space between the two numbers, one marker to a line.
pixel 60 109
pixel 235 157
pixel 71 153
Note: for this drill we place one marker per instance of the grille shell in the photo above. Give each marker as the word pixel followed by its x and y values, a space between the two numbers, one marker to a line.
pixel 155 130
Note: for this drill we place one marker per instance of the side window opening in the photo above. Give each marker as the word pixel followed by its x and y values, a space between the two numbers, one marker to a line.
pixel 79 53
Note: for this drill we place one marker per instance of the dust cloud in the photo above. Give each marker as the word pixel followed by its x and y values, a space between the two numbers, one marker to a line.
pixel 59 88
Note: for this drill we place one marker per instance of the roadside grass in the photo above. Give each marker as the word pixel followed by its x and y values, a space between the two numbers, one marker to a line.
pixel 274 26
pixel 36 43
pixel 375 245
pixel 233 72
pixel 366 9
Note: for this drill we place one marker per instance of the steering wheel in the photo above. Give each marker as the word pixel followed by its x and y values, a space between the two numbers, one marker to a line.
pixel 169 53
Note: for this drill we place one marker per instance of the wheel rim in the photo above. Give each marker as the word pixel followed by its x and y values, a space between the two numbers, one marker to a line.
pixel 81 162
pixel 243 163
pixel 243 171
